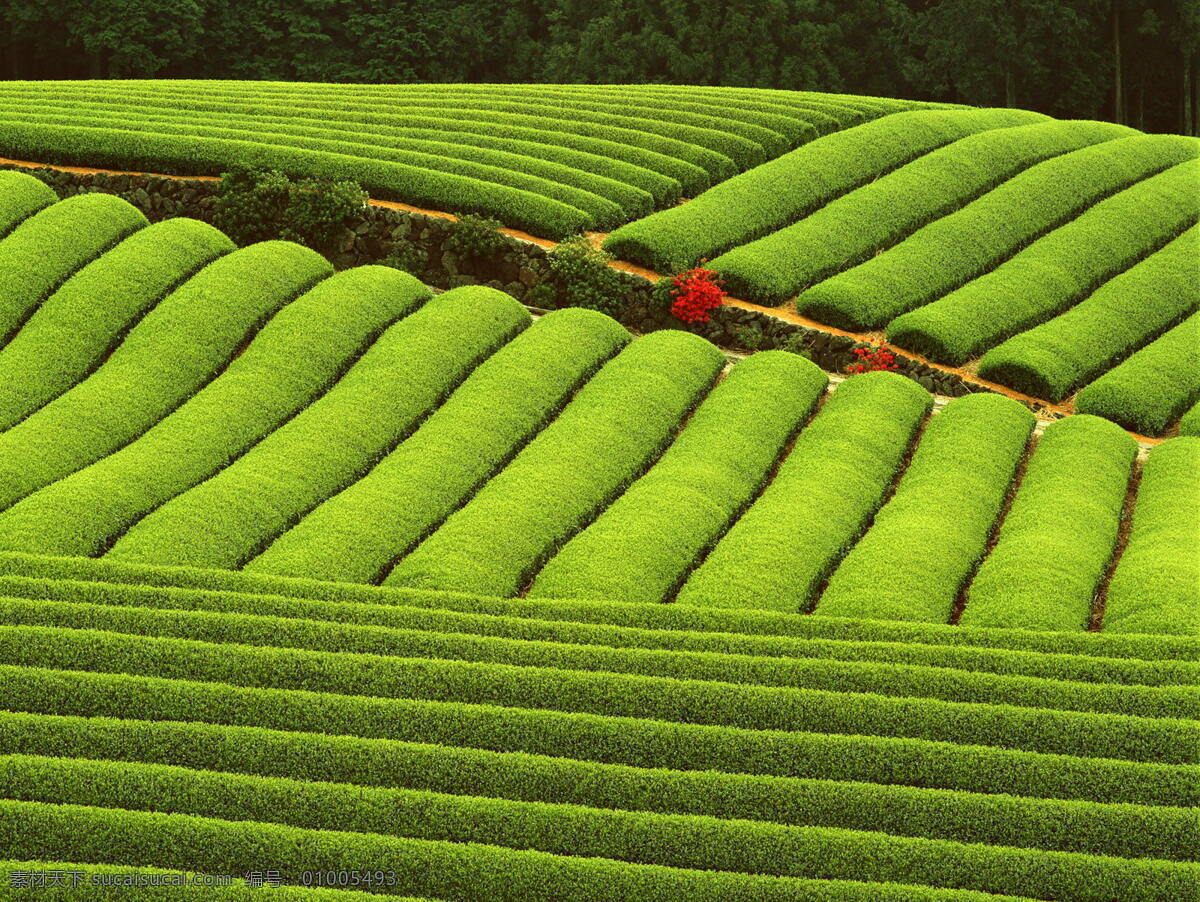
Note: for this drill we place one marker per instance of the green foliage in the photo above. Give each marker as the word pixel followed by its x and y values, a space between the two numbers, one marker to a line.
pixel 819 502
pixel 1055 272
pixel 406 373
pixel 1122 315
pixel 778 193
pixel 698 844
pixel 301 351
pixel 407 257
pixel 749 337
pixel 21 196
pixel 255 205
pixel 614 428
pixel 581 276
pixel 356 535
pixel 170 354
pixel 851 228
pixel 1190 424
pixel 415 698
pixel 191 154
pixel 1156 587
pixel 1062 825
pixel 962 246
pixel 1056 542
pixel 642 547
pixel 925 543
pixel 906 674
pixel 75 327
pixel 1151 389
pixel 369 615
pixel 475 236
pixel 47 247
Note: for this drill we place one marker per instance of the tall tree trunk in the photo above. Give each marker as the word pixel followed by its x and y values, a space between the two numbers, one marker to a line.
pixel 1187 96
pixel 1141 111
pixel 1118 87
pixel 1010 95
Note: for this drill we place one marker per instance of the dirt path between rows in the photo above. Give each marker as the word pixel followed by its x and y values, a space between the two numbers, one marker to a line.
pixel 966 372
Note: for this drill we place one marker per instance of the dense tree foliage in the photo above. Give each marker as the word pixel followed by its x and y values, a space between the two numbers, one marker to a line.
pixel 1134 61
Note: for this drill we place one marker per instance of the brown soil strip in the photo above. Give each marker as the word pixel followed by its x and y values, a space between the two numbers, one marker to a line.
pixel 1096 623
pixel 1014 486
pixel 965 372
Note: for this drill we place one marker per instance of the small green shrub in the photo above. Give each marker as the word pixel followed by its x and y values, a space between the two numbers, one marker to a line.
pixel 583 277
pixel 475 236
pixel 797 343
pixel 407 257
pixel 258 205
pixel 749 337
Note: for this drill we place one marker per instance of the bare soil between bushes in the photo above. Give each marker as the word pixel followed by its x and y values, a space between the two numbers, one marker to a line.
pixel 966 372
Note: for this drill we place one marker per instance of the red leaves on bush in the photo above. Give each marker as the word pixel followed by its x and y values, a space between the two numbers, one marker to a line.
pixel 870 359
pixel 696 292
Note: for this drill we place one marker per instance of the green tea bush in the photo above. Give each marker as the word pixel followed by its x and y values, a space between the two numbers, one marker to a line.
pixel 642 547
pixel 182 343
pixel 1122 315
pixel 605 438
pixel 21 196
pixel 819 502
pixel 1152 388
pixel 403 376
pixel 356 535
pixel 1156 586
pixel 1056 542
pixel 925 543
pixel 48 247
pixel 296 357
pixel 75 327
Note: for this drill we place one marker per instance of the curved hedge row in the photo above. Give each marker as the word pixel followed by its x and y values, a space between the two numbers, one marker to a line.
pixel 853 227
pixel 699 844
pixel 641 741
pixel 1057 540
pixel 408 371
pixel 46 248
pixel 670 626
pixel 614 428
pixel 1156 586
pixel 175 350
pixel 1131 830
pixel 606 201
pixel 21 195
pixel 358 534
pixel 298 355
pixel 381 622
pixel 642 546
pixel 75 327
pixel 1151 389
pixel 1190 423
pixel 789 187
pixel 186 155
pixel 966 244
pixel 1055 272
pixel 822 497
pixel 1122 315
pixel 926 541
pixel 403 688
pixel 891 678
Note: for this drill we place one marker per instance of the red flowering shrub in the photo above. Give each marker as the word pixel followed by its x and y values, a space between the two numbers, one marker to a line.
pixel 696 292
pixel 870 359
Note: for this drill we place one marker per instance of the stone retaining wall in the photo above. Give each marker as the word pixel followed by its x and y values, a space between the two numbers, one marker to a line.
pixel 381 232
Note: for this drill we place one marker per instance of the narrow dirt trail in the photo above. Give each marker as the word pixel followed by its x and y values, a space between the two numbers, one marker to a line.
pixel 965 372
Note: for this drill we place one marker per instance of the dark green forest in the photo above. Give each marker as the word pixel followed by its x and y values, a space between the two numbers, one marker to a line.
pixel 1132 61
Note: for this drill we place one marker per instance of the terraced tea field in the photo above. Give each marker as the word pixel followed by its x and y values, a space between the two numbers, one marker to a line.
pixel 332 579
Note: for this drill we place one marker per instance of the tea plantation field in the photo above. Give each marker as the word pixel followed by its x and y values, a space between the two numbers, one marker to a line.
pixel 371 589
